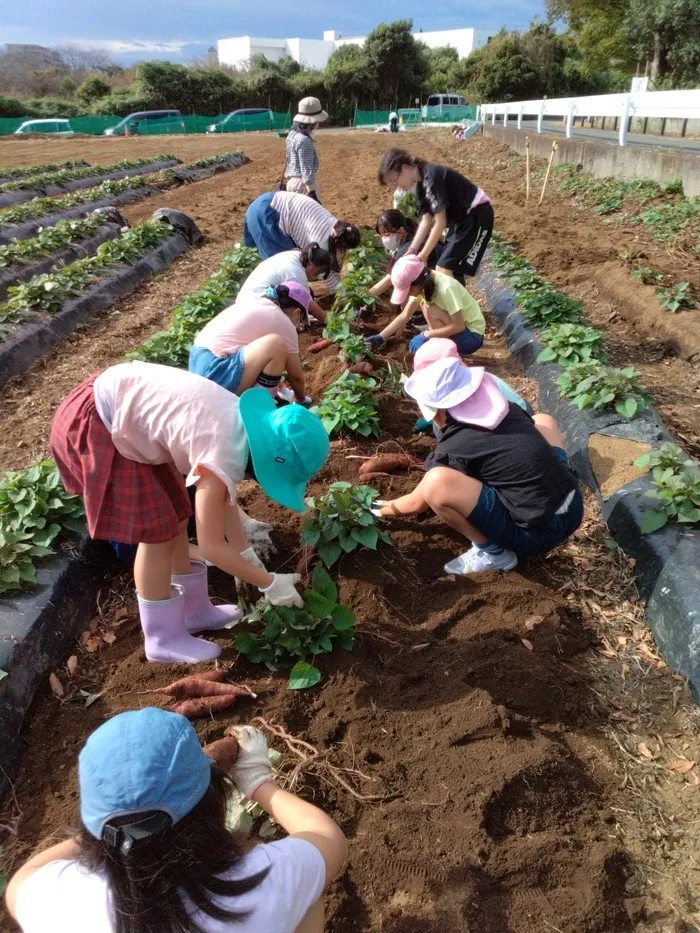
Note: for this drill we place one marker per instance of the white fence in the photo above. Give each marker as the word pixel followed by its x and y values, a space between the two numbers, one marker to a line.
pixel 669 105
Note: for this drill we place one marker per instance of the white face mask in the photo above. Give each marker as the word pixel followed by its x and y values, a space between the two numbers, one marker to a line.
pixel 390 244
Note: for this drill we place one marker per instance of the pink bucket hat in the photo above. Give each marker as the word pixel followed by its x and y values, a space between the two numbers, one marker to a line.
pixel 468 392
pixel 436 348
pixel 405 272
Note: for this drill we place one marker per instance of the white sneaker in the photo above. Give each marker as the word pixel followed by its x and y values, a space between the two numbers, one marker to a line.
pixel 477 561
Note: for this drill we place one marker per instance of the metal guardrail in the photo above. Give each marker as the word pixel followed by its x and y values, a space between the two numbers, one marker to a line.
pixel 664 105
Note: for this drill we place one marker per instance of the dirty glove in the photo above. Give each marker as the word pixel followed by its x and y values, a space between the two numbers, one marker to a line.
pixel 306 401
pixel 417 342
pixel 252 767
pixel 376 509
pixel 245 590
pixel 258 536
pixel 282 591
pixel 374 342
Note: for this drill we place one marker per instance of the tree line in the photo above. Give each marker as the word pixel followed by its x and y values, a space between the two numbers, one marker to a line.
pixel 586 47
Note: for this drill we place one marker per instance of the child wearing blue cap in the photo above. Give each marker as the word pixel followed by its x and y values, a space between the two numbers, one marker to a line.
pixel 132 438
pixel 155 855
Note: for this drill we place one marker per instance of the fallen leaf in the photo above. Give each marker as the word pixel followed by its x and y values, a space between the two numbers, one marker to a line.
pixel 681 765
pixel 693 778
pixel 72 664
pixel 109 638
pixel 533 621
pixel 90 697
pixel 622 639
pixel 56 686
pixel 91 641
pixel 121 614
pixel 645 752
pixel 528 644
pixel 624 671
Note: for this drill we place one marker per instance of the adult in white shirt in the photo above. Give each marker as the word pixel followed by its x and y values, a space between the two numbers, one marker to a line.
pixel 155 853
pixel 293 265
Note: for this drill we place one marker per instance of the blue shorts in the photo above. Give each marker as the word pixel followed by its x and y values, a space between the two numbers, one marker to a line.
pixel 494 521
pixel 261 228
pixel 467 341
pixel 226 371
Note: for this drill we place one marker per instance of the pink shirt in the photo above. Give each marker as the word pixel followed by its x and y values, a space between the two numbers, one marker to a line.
pixel 239 325
pixel 158 414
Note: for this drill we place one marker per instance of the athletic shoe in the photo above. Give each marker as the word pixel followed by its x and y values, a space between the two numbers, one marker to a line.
pixel 477 561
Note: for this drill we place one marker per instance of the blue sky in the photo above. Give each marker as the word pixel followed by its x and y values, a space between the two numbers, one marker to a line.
pixel 134 29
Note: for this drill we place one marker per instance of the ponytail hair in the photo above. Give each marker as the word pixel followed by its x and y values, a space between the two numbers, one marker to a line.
pixel 287 302
pixel 394 160
pixel 426 282
pixel 315 254
pixel 394 220
pixel 344 236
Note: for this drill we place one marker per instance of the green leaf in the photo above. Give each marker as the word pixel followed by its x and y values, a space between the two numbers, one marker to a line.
pixel 347 541
pixel 310 536
pixel 643 461
pixel 687 512
pixel 329 551
pixel 303 675
pixel 546 355
pixel 245 642
pixel 652 521
pixel 366 536
pixel 322 583
pixel 317 605
pixel 627 407
pixel 343 618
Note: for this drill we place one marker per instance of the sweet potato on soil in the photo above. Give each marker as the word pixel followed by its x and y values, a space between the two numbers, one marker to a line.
pixel 203 706
pixel 383 464
pixel 362 367
pixel 319 345
pixel 224 752
pixel 200 685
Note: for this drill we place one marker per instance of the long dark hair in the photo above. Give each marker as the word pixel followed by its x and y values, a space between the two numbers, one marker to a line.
pixel 317 256
pixel 344 236
pixel 394 160
pixel 186 859
pixel 394 220
pixel 426 281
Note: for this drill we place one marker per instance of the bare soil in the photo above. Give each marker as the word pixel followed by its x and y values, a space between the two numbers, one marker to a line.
pixel 520 730
pixel 612 460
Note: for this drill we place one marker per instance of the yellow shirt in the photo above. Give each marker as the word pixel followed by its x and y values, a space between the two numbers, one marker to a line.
pixel 452 296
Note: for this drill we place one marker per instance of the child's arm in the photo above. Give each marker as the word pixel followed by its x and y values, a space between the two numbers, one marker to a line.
pixel 413 503
pixel 318 312
pixel 456 326
pixel 426 222
pixel 382 286
pixel 400 321
pixel 295 375
pixel 438 228
pixel 66 850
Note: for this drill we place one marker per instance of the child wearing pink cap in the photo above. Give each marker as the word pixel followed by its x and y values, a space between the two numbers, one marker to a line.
pixel 254 343
pixel 448 308
pixel 498 476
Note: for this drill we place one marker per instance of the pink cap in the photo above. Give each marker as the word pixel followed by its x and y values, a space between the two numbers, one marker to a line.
pixel 436 348
pixel 405 272
pixel 468 392
pixel 299 294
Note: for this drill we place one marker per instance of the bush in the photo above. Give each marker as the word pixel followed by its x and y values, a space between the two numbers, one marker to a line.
pixel 12 107
pixel 340 520
pixel 590 385
pixel 46 107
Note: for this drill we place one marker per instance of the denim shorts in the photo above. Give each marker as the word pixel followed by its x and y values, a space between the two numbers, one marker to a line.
pixel 494 521
pixel 261 228
pixel 226 371
pixel 467 341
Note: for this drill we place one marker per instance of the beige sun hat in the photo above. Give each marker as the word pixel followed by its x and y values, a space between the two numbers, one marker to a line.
pixel 310 111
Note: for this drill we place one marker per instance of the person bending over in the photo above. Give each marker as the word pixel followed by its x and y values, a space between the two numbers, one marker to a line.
pixel 448 308
pixel 449 203
pixel 302 266
pixel 498 476
pixel 154 853
pixel 254 344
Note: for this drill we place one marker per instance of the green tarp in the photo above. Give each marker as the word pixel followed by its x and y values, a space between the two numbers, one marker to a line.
pixel 194 123
pixel 452 114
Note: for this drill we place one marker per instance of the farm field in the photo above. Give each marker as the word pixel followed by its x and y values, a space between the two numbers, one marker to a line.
pixel 508 741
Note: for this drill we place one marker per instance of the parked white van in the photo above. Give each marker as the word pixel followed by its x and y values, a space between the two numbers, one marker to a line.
pixel 439 104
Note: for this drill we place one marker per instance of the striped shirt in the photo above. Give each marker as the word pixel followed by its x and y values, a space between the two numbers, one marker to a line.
pixel 302 159
pixel 305 221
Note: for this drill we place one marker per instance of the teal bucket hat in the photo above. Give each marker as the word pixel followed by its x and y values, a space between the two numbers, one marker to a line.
pixel 288 445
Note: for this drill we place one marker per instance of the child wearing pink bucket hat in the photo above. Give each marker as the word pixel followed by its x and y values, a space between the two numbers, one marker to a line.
pixel 448 308
pixel 498 476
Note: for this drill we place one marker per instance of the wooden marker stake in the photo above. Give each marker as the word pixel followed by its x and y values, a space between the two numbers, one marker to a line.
pixel 555 146
pixel 527 169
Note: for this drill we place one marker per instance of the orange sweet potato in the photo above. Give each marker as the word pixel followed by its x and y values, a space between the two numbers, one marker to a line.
pixel 362 367
pixel 224 752
pixel 383 464
pixel 319 345
pixel 203 706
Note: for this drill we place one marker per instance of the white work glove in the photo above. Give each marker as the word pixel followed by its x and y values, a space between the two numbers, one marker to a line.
pixel 248 591
pixel 252 767
pixel 376 509
pixel 258 536
pixel 282 592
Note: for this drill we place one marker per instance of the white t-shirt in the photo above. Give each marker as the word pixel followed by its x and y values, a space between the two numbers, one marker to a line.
pixel 284 267
pixel 156 414
pixel 62 897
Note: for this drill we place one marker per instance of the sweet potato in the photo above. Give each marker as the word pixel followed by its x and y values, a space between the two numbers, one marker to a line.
pixel 203 706
pixel 386 463
pixel 224 752
pixel 319 345
pixel 362 367
pixel 203 685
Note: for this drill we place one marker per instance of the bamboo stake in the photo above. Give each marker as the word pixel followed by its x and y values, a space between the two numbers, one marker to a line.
pixel 527 169
pixel 555 146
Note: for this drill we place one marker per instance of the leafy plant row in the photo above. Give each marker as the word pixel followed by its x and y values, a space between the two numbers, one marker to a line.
pixel 341 520
pixel 348 405
pixel 74 174
pixel 40 207
pixel 570 343
pixel 206 161
pixel 676 482
pixel 671 297
pixel 172 346
pixel 64 233
pixel 27 170
pixel 48 291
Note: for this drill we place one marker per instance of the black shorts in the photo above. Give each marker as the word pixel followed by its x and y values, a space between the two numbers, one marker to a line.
pixel 467 240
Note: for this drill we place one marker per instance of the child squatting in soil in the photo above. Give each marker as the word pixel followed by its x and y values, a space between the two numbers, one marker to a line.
pixel 397 233
pixel 498 476
pixel 132 438
pixel 449 203
pixel 154 853
pixel 254 343
pixel 302 266
pixel 448 308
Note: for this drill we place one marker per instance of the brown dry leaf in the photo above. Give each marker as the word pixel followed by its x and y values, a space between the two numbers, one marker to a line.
pixel 645 751
pixel 624 671
pixel 623 717
pixel 631 562
pixel 109 638
pixel 533 622
pixel 693 778
pixel 121 614
pixel 622 640
pixel 72 664
pixel 528 644
pixel 56 686
pixel 92 642
pixel 681 765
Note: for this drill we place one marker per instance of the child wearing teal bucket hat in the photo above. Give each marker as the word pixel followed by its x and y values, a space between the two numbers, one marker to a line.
pixel 131 439
pixel 155 852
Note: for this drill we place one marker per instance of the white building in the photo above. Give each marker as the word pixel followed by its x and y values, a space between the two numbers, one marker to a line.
pixel 314 53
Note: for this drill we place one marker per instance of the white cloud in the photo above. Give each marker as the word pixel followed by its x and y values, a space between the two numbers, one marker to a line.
pixel 118 47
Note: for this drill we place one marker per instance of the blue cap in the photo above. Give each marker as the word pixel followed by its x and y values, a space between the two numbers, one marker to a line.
pixel 143 760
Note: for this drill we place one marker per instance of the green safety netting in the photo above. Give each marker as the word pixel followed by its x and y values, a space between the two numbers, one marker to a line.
pixel 413 117
pixel 194 123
